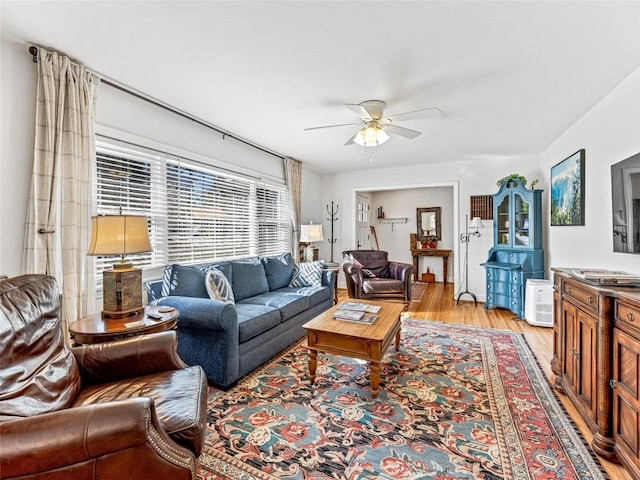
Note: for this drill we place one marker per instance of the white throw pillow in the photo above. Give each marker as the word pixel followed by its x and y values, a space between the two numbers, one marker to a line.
pixel 307 274
pixel 218 287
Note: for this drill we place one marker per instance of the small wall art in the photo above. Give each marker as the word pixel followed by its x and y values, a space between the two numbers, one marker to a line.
pixel 567 191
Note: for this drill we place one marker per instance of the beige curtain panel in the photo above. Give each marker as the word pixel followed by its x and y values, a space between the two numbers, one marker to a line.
pixel 293 178
pixel 58 226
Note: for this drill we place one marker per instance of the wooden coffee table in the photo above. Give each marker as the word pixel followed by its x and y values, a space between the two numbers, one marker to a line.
pixel 351 339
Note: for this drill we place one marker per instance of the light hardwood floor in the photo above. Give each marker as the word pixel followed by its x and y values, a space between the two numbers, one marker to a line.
pixel 438 303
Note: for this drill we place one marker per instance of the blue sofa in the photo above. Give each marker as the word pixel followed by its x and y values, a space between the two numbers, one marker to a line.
pixel 271 301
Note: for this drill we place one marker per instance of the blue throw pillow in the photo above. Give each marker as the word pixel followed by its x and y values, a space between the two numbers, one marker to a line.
pixel 248 279
pixel 307 274
pixel 279 270
pixel 187 282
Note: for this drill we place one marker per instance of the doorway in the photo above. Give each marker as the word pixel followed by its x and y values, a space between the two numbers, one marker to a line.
pixel 363 235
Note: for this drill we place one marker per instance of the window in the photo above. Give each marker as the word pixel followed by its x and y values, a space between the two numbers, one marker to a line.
pixel 196 213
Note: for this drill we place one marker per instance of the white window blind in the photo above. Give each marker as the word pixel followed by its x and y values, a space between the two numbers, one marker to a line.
pixel 196 213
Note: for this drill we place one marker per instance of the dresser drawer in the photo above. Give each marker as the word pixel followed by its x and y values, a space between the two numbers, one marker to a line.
pixel 627 314
pixel 587 297
pixel 499 288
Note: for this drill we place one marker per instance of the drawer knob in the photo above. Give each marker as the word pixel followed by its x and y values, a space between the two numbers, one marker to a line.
pixel 568 289
pixel 630 316
pixel 589 299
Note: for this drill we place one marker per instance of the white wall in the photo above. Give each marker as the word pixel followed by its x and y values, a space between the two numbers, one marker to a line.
pixel 394 238
pixel 116 113
pixel 609 132
pixel 466 178
pixel 18 81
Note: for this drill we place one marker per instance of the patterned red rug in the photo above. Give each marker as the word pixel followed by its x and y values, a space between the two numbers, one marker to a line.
pixel 417 290
pixel 456 402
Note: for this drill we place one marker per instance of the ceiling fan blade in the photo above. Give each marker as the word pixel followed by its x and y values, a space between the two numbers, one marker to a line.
pixel 432 112
pixel 369 109
pixel 351 140
pixel 358 110
pixel 402 131
pixel 332 126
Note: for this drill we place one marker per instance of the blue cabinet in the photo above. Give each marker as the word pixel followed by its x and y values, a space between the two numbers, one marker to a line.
pixel 517 253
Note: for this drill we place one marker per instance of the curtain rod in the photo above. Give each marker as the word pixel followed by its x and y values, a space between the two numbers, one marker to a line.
pixel 126 89
pixel 180 156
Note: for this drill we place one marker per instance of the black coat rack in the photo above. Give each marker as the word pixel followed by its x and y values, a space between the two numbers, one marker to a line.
pixel 332 218
pixel 465 238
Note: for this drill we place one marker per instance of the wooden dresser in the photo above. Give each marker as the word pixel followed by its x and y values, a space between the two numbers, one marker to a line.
pixel 596 359
pixel 625 379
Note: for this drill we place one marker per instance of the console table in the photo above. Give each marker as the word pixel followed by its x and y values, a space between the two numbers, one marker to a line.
pixel 416 253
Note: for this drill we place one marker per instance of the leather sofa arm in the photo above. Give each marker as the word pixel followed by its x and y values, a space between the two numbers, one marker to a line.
pixel 94 441
pixel 127 358
pixel 354 278
pixel 401 271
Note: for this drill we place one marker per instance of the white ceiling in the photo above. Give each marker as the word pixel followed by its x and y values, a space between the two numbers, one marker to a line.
pixel 509 77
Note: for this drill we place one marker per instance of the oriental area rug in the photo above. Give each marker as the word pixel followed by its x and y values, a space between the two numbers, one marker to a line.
pixel 456 402
pixel 417 291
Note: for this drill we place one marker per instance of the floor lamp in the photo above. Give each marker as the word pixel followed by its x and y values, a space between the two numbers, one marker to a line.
pixel 464 238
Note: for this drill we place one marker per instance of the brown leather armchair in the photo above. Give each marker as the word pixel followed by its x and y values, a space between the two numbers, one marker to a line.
pixel 370 274
pixel 124 409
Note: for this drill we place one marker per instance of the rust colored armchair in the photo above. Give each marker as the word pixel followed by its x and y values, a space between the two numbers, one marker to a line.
pixel 370 274
pixel 124 409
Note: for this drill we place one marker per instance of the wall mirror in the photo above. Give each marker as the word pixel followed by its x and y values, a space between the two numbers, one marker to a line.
pixel 428 223
pixel 625 205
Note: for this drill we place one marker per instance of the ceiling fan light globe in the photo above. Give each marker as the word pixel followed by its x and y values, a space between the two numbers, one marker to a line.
pixel 371 135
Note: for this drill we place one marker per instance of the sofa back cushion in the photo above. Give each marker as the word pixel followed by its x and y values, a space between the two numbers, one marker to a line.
pixel 187 281
pixel 39 373
pixel 374 263
pixel 279 270
pixel 248 279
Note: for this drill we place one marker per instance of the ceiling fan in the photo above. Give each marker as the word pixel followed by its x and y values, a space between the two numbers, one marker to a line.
pixel 375 128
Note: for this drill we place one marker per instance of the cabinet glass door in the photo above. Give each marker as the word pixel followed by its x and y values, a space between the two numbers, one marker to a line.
pixel 521 220
pixel 503 222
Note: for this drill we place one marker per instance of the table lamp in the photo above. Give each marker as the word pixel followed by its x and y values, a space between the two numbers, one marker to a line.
pixel 122 284
pixel 309 234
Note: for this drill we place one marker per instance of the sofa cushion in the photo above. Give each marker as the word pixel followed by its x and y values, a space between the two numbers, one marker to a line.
pixel 316 295
pixel 289 303
pixel 218 286
pixel 307 274
pixel 248 279
pixel 279 270
pixel 255 319
pixel 177 407
pixel 382 285
pixel 187 281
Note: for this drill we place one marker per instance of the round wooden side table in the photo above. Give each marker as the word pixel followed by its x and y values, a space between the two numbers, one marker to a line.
pixel 95 329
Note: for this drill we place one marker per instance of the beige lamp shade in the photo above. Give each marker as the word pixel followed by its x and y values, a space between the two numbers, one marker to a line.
pixel 311 233
pixel 476 223
pixel 119 235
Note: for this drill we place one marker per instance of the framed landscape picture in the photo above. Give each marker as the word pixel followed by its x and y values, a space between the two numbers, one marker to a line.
pixel 567 191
